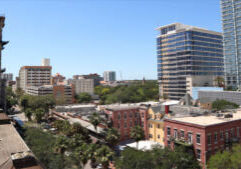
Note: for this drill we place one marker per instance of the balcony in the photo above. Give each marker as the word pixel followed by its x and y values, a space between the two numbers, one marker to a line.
pixel 182 141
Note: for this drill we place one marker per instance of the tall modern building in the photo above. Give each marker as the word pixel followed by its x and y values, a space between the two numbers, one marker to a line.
pixel 188 56
pixel 109 76
pixel 231 17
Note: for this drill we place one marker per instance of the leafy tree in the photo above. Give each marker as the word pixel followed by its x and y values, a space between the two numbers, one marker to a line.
pixel 24 101
pixel 226 159
pixel 95 120
pixel 28 113
pixel 83 98
pixel 104 155
pixel 137 134
pixel 19 92
pixel 61 145
pixel 112 137
pixel 11 100
pixel 219 81
pixel 223 104
pixel 39 114
pixel 157 158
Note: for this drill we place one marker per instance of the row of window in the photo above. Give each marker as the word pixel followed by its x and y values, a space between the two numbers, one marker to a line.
pixel 125 115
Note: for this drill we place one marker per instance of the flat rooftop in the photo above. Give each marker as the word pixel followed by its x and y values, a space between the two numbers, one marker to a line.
pixel 208 120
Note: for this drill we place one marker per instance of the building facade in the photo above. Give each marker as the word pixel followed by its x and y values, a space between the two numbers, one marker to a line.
pixel 203 135
pixel 83 85
pixel 7 76
pixel 188 56
pixel 57 79
pixel 109 76
pixel 231 12
pixel 96 77
pixel 124 118
pixel 34 76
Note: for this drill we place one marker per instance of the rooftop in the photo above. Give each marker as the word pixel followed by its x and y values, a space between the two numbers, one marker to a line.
pixel 208 120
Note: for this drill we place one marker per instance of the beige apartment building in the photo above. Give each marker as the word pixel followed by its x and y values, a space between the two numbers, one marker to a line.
pixel 83 85
pixel 34 76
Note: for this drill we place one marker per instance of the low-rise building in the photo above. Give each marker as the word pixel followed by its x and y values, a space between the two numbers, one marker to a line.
pixel 231 96
pixel 205 134
pixel 83 85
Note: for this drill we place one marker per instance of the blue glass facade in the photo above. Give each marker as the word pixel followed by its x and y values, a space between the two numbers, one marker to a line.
pixel 187 52
pixel 231 18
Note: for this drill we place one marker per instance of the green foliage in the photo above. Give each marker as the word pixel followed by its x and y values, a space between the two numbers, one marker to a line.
pixel 137 134
pixel 28 113
pixel 223 104
pixel 11 100
pixel 103 155
pixel 112 136
pixel 83 98
pixel 226 159
pixel 95 120
pixel 157 158
pixel 136 92
pixel 39 114
pixel 42 143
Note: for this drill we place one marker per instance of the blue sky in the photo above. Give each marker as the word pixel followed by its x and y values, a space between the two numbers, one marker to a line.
pixel 88 36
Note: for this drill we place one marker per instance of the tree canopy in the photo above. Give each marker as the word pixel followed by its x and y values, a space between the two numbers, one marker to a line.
pixel 83 98
pixel 133 93
pixel 224 104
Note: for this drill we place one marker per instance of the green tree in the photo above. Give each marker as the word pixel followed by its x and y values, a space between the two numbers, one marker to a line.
pixel 61 145
pixel 112 137
pixel 24 102
pixel 223 104
pixel 28 113
pixel 83 98
pixel 219 81
pixel 137 134
pixel 95 120
pixel 39 114
pixel 104 155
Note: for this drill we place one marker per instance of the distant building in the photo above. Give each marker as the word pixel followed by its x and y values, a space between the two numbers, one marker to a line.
pixel 7 76
pixel 45 62
pixel 97 78
pixel 34 76
pixel 206 134
pixel 57 79
pixel 63 94
pixel 194 90
pixel 211 96
pixel 188 56
pixel 232 42
pixel 83 85
pixel 109 76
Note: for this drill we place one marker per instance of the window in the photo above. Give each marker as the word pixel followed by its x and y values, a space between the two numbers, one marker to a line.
pixel 221 135
pixel 238 133
pixel 198 138
pixel 175 133
pixel 209 139
pixel 226 135
pixel 158 136
pixel 182 134
pixel 189 135
pixel 125 125
pixel 232 132
pixel 168 143
pixel 158 126
pixel 168 131
pixel 215 137
pixel 142 114
pixel 119 116
pixel 130 114
pixel 125 115
pixel 130 123
pixel 118 125
pixel 150 125
pixel 198 154
pixel 150 135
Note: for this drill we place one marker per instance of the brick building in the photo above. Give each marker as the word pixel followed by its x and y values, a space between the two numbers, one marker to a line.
pixel 57 79
pixel 205 135
pixel 124 117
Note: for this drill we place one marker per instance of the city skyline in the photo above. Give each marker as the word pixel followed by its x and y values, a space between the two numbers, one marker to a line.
pixel 92 37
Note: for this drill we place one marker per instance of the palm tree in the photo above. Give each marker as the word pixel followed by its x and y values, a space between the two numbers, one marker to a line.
pixel 61 145
pixel 137 134
pixel 81 155
pixel 112 137
pixel 104 155
pixel 95 120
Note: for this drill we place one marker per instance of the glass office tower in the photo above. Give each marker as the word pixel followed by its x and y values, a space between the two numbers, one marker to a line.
pixel 187 56
pixel 231 17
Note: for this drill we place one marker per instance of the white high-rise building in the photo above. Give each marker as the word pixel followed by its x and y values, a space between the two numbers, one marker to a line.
pixel 109 76
pixel 45 62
